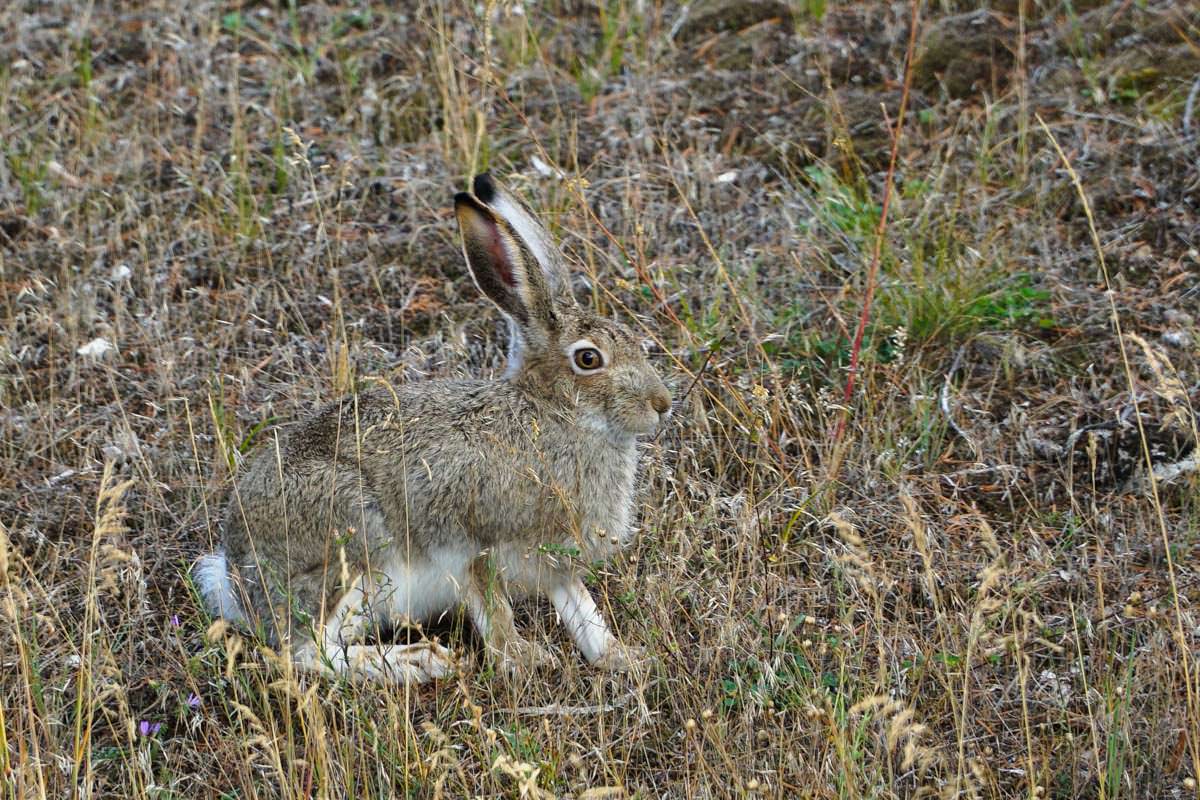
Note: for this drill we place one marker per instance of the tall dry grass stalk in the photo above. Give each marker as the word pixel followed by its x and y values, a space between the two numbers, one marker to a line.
pixel 1188 660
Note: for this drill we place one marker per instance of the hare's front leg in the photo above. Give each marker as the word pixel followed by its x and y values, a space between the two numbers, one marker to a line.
pixel 587 627
pixel 492 615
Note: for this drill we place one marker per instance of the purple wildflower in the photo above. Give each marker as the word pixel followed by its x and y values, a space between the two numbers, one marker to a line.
pixel 175 620
pixel 148 728
pixel 193 700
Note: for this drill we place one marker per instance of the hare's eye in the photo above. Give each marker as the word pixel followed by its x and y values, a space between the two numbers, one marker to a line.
pixel 588 358
pixel 585 357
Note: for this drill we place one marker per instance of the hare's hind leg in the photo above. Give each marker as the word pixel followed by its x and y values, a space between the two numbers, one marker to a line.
pixel 492 615
pixel 340 651
pixel 398 663
pixel 339 646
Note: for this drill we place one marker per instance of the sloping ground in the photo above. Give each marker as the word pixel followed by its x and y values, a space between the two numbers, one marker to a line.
pixel 216 219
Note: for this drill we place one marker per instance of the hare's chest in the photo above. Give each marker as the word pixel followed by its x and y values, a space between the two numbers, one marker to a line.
pixel 606 502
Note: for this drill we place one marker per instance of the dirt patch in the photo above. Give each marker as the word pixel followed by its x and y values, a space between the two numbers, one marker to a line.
pixel 707 17
pixel 966 55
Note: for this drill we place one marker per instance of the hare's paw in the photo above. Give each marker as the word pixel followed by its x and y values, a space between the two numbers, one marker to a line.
pixel 432 659
pixel 621 657
pixel 400 663
pixel 521 656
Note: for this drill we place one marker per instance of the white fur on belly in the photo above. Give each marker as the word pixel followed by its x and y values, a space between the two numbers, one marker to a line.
pixel 420 589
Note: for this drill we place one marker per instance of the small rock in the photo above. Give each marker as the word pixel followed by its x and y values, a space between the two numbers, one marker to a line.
pixel 96 348
pixel 545 170
pixel 124 447
pixel 1177 338
pixel 1178 317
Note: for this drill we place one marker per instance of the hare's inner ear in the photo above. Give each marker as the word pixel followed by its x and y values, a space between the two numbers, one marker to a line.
pixel 493 255
pixel 535 240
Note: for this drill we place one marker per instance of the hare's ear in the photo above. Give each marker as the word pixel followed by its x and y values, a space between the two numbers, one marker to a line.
pixel 510 257
pixel 495 258
pixel 535 239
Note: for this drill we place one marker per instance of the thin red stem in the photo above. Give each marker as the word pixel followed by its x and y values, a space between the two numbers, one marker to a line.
pixel 881 228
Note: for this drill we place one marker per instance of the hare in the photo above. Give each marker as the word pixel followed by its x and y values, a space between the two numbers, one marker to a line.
pixel 404 503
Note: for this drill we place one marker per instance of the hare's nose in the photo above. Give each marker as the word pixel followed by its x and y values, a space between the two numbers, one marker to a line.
pixel 660 400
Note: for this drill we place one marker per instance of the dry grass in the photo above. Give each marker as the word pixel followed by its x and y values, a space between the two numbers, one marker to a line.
pixel 216 218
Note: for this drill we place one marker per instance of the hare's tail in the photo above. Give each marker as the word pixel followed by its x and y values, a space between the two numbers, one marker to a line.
pixel 211 575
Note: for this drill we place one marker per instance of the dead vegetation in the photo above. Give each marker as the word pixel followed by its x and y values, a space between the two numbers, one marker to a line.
pixel 214 218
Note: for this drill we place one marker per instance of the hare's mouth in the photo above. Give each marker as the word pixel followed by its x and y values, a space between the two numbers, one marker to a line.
pixel 644 420
pixel 621 425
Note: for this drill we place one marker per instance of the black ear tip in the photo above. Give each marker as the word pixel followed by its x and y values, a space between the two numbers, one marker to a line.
pixel 485 187
pixel 471 201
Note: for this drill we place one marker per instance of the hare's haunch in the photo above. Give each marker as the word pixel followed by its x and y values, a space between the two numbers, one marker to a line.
pixel 408 501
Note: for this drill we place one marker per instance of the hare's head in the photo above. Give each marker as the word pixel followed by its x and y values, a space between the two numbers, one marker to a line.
pixel 560 350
